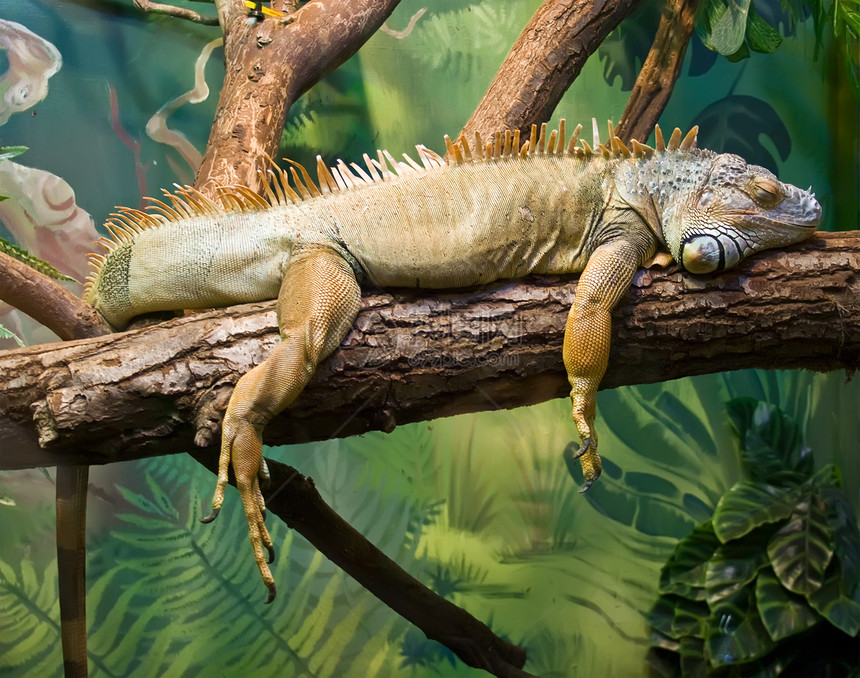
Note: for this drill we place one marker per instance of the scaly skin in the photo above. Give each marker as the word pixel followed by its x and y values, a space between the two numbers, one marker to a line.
pixel 487 213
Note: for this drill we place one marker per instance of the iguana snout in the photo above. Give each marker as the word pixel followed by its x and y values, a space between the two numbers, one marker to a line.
pixel 740 209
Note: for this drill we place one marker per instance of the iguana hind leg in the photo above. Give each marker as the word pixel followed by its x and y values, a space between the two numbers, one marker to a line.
pixel 603 282
pixel 317 305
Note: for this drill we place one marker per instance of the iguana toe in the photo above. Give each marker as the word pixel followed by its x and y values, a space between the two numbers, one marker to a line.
pixel 583 448
pixel 273 591
pixel 591 467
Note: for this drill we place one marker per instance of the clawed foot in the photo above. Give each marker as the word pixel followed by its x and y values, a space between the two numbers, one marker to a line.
pixel 589 459
pixel 242 448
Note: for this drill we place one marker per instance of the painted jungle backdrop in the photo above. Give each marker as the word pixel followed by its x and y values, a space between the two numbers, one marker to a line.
pixel 724 528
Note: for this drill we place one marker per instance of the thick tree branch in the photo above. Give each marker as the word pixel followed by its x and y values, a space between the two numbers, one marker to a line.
pixel 662 66
pixel 412 356
pixel 544 61
pixel 269 65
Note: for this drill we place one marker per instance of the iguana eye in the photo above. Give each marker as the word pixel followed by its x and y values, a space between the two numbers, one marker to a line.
pixel 766 191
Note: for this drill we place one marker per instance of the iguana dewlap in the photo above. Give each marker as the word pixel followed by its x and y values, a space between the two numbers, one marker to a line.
pixel 486 212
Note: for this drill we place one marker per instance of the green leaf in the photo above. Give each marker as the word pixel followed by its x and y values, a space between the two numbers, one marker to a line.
pixel 761 36
pixel 801 550
pixel 736 634
pixel 661 616
pixel 783 613
pixel 749 505
pixel 733 566
pixel 846 537
pixel 6 334
pixel 728 26
pixel 836 607
pixel 738 123
pixel 33 262
pixel 7 152
pixel 676 617
pixel 693 661
pixel 625 49
pixel 684 572
pixel 771 442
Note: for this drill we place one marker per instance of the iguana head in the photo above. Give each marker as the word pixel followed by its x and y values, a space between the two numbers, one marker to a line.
pixel 725 213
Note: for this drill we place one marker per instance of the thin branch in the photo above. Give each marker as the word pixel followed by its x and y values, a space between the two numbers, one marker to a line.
pixel 294 498
pixel 660 71
pixel 178 12
pixel 48 302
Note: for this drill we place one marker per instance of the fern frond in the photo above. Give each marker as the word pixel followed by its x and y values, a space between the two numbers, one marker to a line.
pixel 33 262
pixel 7 152
pixel 8 334
pixel 29 608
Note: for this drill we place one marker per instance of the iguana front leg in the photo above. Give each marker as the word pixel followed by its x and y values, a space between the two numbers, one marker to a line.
pixel 317 305
pixel 603 282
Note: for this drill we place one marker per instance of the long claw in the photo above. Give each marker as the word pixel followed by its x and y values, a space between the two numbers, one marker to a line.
pixel 273 591
pixel 212 516
pixel 588 483
pixel 591 467
pixel 583 448
pixel 271 559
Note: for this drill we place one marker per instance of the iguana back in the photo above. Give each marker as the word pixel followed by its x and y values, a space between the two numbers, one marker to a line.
pixel 435 226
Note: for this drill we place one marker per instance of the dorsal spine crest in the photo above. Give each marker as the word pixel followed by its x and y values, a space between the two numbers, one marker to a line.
pixel 281 187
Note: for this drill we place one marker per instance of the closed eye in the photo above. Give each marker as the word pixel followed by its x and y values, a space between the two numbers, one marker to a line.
pixel 766 192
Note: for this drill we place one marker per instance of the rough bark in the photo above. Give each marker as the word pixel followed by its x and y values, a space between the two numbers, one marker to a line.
pixel 656 80
pixel 544 61
pixel 414 356
pixel 269 65
pixel 47 301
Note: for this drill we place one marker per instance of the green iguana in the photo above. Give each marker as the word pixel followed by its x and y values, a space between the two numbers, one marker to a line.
pixel 485 212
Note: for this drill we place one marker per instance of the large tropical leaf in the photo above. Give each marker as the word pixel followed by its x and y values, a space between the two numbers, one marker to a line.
pixel 802 548
pixel 783 614
pixel 737 123
pixel 728 23
pixel 846 539
pixel 771 443
pixel 839 609
pixel 685 571
pixel 749 505
pixel 736 634
pixel 733 566
pixel 624 50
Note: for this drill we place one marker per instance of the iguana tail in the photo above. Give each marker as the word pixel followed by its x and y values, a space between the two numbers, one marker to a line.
pixel 72 564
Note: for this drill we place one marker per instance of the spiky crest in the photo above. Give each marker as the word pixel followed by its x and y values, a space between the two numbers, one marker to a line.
pixel 293 185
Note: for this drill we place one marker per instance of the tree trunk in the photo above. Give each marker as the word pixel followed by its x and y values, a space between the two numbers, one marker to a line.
pixel 544 61
pixel 413 356
pixel 661 69
pixel 270 64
